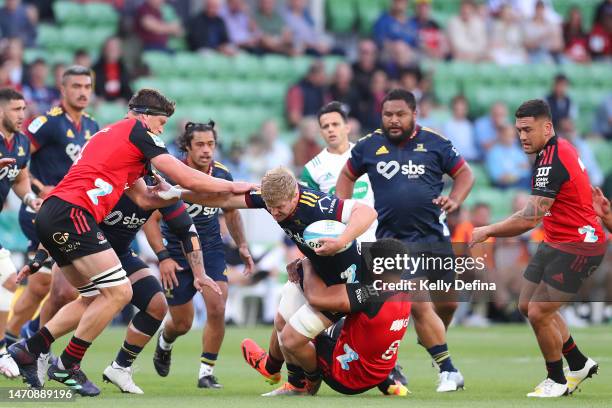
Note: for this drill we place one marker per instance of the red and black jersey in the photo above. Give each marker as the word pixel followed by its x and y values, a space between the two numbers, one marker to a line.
pixel 110 162
pixel 366 350
pixel 559 174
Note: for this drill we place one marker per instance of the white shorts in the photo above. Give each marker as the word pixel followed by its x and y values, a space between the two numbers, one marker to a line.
pixel 7 267
pixel 296 311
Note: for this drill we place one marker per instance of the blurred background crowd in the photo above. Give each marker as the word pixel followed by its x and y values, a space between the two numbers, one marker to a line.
pixel 262 68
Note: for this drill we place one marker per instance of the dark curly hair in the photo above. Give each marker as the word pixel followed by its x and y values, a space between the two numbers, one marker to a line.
pixel 185 139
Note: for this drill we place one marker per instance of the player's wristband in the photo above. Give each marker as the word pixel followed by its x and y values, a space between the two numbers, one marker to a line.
pixel 170 194
pixel 163 255
pixel 35 189
pixel 28 197
pixel 38 260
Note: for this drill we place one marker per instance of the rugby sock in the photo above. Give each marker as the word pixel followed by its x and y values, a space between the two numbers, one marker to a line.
pixel 295 375
pixel 40 342
pixel 10 338
pixel 313 376
pixel 207 365
pixel 442 357
pixel 127 354
pixel 575 359
pixel 74 352
pixel 33 325
pixel 555 371
pixel 165 344
pixel 273 365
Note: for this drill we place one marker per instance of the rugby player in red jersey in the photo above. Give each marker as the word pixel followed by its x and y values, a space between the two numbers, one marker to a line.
pixel 111 163
pixel 360 351
pixel 573 247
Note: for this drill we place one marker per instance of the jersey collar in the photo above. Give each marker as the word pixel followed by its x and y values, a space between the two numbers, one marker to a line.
pixel 415 132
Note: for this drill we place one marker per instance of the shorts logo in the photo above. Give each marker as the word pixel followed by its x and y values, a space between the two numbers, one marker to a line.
pixel 101 238
pixel 348 356
pixel 387 170
pixel 60 238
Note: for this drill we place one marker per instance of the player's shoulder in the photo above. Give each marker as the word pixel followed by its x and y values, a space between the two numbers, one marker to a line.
pixel 372 137
pixel 220 170
pixel 38 122
pixel 55 111
pixel 432 134
pixel 87 117
pixel 309 197
pixel 316 161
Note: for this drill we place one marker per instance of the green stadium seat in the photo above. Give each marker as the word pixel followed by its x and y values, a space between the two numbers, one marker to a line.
pixel 101 14
pixel 108 113
pixel 270 92
pixel 49 37
pixel 246 65
pixel 213 91
pixel 68 12
pixel 341 16
pixel 369 11
pixel 481 177
pixel 216 65
pixel 159 63
pixel 183 91
pixel 277 66
pixel 188 65
pixel 603 152
pixel 75 37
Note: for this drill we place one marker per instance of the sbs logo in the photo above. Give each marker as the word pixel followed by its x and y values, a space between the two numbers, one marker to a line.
pixel 390 169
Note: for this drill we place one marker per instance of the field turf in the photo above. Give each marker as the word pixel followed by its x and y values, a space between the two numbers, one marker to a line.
pixel 500 364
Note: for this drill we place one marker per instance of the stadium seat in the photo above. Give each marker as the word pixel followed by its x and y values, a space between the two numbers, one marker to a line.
pixel 247 66
pixel 101 14
pixel 341 16
pixel 160 63
pixel 188 65
pixel 603 153
pixel 277 66
pixel 68 12
pixel 481 177
pixel 49 37
pixel 76 36
pixel 369 11
pixel 108 113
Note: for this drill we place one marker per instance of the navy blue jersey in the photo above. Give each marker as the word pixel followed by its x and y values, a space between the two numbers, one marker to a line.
pixel 405 178
pixel 59 141
pixel 126 219
pixel 18 149
pixel 314 206
pixel 205 219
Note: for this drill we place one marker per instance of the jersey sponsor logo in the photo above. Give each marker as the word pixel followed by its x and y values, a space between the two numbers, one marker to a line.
pixel 87 134
pixel 390 169
pixel 11 172
pixel 156 139
pixel 36 124
pixel 73 151
pixel 131 221
pixel 382 150
pixel 103 189
pixel 348 356
pixel 327 204
pixel 196 209
pixel 420 148
pixel 299 239
pixel 543 171
pixel 541 177
pixel 399 324
pixel 70 134
pixel 589 233
pixel 391 351
pixel 20 151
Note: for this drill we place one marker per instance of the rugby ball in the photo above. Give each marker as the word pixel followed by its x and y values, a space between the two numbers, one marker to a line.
pixel 324 229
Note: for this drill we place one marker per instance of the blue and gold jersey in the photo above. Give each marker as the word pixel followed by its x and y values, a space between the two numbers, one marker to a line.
pixel 19 149
pixel 58 141
pixel 314 206
pixel 405 178
pixel 205 219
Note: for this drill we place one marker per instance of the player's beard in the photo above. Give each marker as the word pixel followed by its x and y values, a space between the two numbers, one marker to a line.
pixel 9 126
pixel 402 137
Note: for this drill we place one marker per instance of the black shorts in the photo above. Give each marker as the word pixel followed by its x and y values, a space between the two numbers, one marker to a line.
pixel 561 270
pixel 131 262
pixel 325 344
pixel 68 231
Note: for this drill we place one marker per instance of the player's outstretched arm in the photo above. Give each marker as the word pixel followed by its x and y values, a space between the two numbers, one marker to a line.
pixel 23 189
pixel 227 201
pixel 463 181
pixel 146 197
pixel 345 183
pixel 322 297
pixel 518 223
pixel 195 180
pixel 167 266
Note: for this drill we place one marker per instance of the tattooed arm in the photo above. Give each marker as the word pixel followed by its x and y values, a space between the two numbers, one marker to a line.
pixel 518 223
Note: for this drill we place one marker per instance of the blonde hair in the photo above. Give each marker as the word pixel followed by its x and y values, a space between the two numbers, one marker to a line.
pixel 278 185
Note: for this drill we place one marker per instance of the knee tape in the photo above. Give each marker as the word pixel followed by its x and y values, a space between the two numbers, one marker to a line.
pixel 145 323
pixel 6 296
pixel 114 276
pixel 307 322
pixel 144 290
pixel 7 267
pixel 47 265
pixel 292 298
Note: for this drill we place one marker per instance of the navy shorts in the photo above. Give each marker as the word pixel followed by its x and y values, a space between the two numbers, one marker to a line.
pixel 214 264
pixel 26 222
pixel 131 262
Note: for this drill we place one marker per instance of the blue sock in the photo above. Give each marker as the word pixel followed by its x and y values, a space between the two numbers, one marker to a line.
pixel 35 324
pixel 442 357
pixel 209 358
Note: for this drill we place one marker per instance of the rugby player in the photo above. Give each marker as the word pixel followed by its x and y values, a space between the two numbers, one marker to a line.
pixel 15 154
pixel 294 207
pixel 321 173
pixel 198 141
pixel 574 246
pixel 406 163
pixel 56 139
pixel 111 163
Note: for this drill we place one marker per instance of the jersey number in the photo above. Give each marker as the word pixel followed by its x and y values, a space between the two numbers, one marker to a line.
pixel 103 189
pixel 391 351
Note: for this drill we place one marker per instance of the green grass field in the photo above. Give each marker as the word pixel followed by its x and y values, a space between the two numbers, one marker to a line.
pixel 500 364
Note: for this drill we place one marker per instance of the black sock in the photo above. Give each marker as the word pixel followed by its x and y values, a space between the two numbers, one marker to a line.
pixel 575 359
pixel 127 354
pixel 10 338
pixel 442 357
pixel 555 371
pixel 313 376
pixel 74 352
pixel 295 375
pixel 40 342
pixel 273 365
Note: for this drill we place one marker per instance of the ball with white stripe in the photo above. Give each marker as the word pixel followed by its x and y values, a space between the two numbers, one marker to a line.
pixel 324 229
